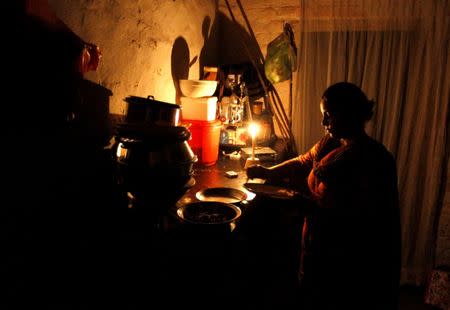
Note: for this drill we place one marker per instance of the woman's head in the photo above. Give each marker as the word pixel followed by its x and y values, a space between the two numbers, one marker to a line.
pixel 345 109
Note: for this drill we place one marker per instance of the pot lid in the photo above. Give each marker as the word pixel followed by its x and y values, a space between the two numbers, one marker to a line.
pixel 150 100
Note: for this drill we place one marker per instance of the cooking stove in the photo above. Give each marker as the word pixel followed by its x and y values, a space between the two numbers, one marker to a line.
pixel 154 210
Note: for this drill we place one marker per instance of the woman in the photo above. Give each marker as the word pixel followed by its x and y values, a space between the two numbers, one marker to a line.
pixel 350 241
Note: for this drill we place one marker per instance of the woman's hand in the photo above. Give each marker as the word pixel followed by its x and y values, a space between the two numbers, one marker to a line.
pixel 258 171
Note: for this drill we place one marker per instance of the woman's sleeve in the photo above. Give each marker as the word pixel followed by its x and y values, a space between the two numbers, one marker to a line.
pixel 295 171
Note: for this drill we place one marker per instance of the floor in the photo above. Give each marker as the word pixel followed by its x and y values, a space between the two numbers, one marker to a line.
pixel 412 298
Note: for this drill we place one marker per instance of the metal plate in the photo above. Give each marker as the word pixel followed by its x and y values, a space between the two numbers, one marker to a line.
pixel 221 194
pixel 209 212
pixel 271 191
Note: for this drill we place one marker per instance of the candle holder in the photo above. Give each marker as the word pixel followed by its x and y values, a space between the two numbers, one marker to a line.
pixel 253 129
pixel 251 161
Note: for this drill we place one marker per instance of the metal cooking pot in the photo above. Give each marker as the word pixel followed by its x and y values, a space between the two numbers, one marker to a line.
pixel 147 169
pixel 141 154
pixel 151 111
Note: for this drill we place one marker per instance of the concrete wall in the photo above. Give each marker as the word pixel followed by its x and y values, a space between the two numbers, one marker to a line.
pixel 146 45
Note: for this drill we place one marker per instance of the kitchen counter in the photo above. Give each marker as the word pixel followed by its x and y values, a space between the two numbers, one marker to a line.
pixel 253 263
pixel 115 250
pixel 215 176
pixel 163 220
pixel 101 247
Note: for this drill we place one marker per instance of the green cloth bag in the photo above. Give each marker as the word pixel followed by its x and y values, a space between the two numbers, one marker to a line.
pixel 281 59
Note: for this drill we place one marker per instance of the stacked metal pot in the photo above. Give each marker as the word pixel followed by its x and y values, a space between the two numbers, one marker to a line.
pixel 154 160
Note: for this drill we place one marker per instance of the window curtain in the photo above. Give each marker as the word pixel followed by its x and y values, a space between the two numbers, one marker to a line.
pixel 397 51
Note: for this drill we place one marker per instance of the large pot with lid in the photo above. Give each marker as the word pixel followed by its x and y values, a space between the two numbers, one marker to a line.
pixel 150 111
pixel 154 159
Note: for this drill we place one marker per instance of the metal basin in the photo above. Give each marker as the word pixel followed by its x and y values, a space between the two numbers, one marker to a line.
pixel 209 213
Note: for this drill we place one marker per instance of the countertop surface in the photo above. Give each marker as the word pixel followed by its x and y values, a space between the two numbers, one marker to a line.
pixel 253 263
pixel 143 255
pixel 204 177
pixel 215 176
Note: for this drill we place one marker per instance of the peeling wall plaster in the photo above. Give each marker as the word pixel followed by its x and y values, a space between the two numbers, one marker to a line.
pixel 137 39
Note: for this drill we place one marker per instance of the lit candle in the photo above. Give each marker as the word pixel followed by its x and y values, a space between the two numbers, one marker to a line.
pixel 253 129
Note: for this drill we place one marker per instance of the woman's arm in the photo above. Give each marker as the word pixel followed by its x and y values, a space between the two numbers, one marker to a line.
pixel 292 172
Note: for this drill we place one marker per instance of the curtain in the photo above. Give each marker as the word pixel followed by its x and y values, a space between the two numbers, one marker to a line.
pixel 398 53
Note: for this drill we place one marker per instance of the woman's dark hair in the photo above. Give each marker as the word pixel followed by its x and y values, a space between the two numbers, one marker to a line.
pixel 348 100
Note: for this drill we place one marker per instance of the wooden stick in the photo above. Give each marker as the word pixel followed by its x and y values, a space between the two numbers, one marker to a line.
pixel 283 111
pixel 280 122
pixel 290 136
pixel 290 102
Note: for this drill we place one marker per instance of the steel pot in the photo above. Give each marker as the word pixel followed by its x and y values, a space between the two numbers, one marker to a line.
pixel 154 167
pixel 151 111
pixel 141 154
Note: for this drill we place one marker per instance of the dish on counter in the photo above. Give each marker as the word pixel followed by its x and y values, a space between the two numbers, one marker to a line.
pixel 209 212
pixel 272 191
pixel 222 194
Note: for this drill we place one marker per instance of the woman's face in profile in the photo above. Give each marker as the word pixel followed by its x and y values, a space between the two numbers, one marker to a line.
pixel 333 123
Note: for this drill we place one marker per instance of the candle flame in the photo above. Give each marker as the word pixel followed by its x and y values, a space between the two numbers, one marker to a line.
pixel 253 129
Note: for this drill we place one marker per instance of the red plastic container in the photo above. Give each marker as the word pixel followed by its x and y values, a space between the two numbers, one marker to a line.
pixel 205 138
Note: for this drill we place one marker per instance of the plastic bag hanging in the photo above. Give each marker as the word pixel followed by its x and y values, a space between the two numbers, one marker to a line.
pixel 281 58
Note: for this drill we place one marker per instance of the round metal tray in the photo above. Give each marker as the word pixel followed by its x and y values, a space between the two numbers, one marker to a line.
pixel 221 194
pixel 276 192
